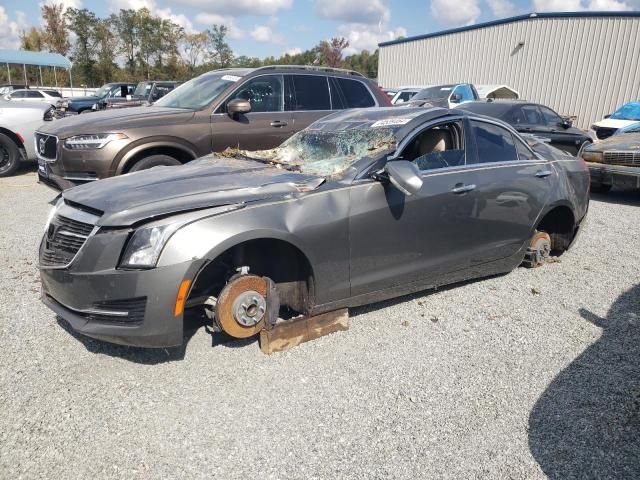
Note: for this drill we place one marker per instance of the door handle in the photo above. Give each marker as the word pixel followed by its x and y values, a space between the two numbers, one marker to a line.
pixel 460 189
pixel 278 123
pixel 544 173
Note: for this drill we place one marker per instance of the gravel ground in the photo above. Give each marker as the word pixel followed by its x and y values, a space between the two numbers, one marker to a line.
pixel 527 375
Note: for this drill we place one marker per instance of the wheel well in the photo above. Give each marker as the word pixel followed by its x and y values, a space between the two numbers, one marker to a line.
pixel 281 261
pixel 560 224
pixel 12 136
pixel 177 153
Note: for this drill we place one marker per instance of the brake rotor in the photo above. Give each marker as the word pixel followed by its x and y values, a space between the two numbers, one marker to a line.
pixel 241 308
pixel 541 247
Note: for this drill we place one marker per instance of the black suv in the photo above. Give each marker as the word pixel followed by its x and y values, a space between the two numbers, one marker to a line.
pixel 245 108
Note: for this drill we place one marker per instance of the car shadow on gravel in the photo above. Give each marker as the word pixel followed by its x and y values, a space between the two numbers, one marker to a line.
pixel 145 356
pixel 619 196
pixel 587 422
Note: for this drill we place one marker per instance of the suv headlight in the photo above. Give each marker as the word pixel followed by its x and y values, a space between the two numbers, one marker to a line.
pixel 93 141
pixel 146 244
pixel 592 156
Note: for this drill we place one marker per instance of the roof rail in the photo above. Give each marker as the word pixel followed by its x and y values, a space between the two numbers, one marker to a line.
pixel 317 68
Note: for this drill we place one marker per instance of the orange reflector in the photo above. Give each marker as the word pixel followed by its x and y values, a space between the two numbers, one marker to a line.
pixel 182 297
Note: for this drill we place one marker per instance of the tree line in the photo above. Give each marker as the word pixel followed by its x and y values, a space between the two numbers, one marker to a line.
pixel 135 45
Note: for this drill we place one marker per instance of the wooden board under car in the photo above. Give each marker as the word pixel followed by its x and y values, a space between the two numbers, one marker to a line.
pixel 286 335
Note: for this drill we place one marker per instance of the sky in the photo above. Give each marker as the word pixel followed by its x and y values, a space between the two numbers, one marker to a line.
pixel 262 28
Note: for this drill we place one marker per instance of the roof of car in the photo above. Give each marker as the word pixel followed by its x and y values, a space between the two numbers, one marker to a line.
pixel 492 108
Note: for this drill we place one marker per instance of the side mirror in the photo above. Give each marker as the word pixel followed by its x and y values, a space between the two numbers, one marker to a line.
pixel 607 115
pixel 456 98
pixel 405 176
pixel 566 124
pixel 238 106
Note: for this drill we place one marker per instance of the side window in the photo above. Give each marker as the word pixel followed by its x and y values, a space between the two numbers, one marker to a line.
pixel 516 116
pixel 532 115
pixel 116 92
pixel 355 94
pixel 493 143
pixel 160 91
pixel 311 92
pixel 18 95
pixel 264 93
pixel 523 152
pixel 551 118
pixel 440 146
pixel 34 94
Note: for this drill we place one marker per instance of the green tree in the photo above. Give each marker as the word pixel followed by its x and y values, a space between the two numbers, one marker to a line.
pixel 126 25
pixel 55 35
pixel 31 40
pixel 106 43
pixel 83 23
pixel 332 50
pixel 194 46
pixel 220 52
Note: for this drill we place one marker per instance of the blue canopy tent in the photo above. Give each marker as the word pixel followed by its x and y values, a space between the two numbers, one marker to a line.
pixel 41 59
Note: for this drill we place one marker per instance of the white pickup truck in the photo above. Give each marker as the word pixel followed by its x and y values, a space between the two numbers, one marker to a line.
pixel 18 122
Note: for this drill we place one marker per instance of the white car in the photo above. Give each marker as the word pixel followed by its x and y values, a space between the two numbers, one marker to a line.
pixel 404 94
pixel 18 123
pixel 625 116
pixel 50 97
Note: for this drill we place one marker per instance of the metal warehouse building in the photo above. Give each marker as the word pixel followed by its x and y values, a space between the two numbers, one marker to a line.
pixel 584 64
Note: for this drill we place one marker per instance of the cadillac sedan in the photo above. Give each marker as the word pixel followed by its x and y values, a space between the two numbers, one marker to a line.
pixel 361 206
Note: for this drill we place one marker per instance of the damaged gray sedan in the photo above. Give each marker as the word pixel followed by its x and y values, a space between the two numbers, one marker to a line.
pixel 362 206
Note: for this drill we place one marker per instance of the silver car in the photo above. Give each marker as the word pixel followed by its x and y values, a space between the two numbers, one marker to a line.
pixel 18 122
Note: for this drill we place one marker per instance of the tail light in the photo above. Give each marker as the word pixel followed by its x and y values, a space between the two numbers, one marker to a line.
pixel 387 100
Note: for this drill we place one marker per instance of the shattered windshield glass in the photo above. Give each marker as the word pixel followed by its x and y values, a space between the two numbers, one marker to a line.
pixel 326 153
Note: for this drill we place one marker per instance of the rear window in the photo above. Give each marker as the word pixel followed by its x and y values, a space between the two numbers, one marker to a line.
pixel 52 93
pixel 355 94
pixel 311 92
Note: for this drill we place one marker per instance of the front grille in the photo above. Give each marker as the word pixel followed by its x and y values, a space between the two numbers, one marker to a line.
pixel 605 132
pixel 112 311
pixel 622 158
pixel 62 241
pixel 46 146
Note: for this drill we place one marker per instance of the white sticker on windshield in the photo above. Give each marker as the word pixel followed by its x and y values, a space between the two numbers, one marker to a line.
pixel 389 122
pixel 230 78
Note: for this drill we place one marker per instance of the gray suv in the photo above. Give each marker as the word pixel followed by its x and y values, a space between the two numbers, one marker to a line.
pixel 246 108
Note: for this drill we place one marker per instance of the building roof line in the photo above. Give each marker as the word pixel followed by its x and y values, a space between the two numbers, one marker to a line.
pixel 502 21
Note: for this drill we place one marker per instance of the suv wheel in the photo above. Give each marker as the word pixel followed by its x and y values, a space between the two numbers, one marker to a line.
pixel 154 161
pixel 9 156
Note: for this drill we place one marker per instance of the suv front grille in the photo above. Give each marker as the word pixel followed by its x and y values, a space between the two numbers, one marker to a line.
pixel 46 146
pixel 62 241
pixel 604 132
pixel 622 158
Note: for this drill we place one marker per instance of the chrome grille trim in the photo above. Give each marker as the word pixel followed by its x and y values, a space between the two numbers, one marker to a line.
pixel 622 158
pixel 41 153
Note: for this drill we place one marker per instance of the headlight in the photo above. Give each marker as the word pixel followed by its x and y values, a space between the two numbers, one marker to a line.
pixel 52 212
pixel 92 142
pixel 592 156
pixel 145 246
pixel 65 103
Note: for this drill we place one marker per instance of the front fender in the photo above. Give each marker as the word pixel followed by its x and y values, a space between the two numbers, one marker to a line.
pixel 121 161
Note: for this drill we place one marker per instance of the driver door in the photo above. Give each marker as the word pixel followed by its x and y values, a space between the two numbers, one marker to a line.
pixel 266 126
pixel 397 239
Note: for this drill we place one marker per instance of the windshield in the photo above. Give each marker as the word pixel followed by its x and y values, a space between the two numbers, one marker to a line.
pixel 103 91
pixel 142 89
pixel 630 111
pixel 199 92
pixel 434 93
pixel 326 153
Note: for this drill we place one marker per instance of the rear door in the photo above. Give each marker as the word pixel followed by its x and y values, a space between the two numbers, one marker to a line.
pixel 512 187
pixel 309 100
pixel 266 126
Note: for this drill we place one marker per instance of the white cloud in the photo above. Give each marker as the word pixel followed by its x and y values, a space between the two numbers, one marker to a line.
pixel 502 8
pixel 455 14
pixel 293 51
pixel 579 5
pixel 354 11
pixel 10 29
pixel 241 7
pixel 264 34
pixel 152 6
pixel 209 19
pixel 363 37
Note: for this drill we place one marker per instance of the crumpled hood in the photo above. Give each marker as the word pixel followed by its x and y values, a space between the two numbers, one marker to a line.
pixel 625 142
pixel 114 121
pixel 207 182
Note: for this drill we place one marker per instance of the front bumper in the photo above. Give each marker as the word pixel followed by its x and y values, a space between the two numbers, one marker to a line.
pixel 619 175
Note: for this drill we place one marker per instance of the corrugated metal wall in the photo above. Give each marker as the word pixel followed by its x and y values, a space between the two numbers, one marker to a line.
pixel 583 66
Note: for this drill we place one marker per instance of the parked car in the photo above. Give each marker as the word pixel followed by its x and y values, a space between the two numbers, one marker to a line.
pixel 527 117
pixel 626 115
pixel 633 128
pixel 614 161
pixel 145 94
pixel 90 103
pixel 245 108
pixel 18 122
pixel 404 94
pixel 50 97
pixel 362 206
pixel 445 96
